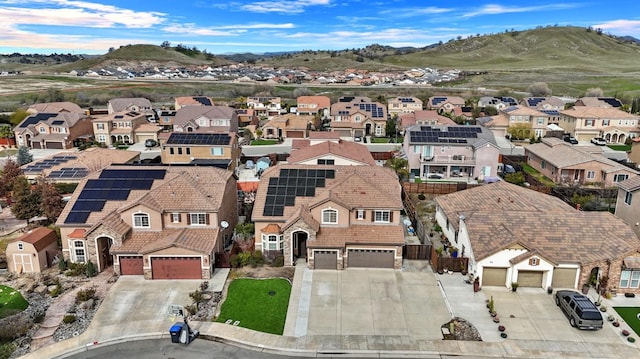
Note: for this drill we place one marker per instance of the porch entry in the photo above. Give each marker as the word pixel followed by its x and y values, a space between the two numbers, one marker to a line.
pixel 300 244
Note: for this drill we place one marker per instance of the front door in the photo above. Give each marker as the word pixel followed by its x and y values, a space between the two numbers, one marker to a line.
pixel 300 244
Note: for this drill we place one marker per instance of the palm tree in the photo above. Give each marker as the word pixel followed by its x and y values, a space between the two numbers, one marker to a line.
pixel 399 165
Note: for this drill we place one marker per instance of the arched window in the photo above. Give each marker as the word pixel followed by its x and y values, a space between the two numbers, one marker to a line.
pixel 141 220
pixel 329 216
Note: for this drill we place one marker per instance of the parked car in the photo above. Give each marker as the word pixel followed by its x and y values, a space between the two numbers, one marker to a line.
pixel 572 140
pixel 150 143
pixel 599 141
pixel 580 310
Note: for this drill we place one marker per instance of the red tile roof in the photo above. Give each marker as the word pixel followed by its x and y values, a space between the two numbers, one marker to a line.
pixel 40 238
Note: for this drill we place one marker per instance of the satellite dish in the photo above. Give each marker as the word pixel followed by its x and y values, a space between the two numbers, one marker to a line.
pixel 224 224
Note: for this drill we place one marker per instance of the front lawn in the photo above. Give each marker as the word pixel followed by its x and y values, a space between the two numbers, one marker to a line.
pixel 259 304
pixel 11 301
pixel 537 175
pixel 379 140
pixel 263 142
pixel 630 315
pixel 625 148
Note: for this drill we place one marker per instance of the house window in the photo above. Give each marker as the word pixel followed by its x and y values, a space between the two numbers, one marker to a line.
pixel 627 197
pixel 102 138
pixel 141 220
pixel 216 151
pixel 175 217
pixel 171 150
pixel 77 251
pixel 629 279
pixel 329 216
pixel 534 261
pixel 358 118
pixel 382 216
pixel 591 174
pixel 20 246
pixel 100 126
pixel 588 123
pixel 541 121
pixel 179 150
pixel 202 122
pixel 188 150
pixel 620 177
pixel 326 162
pixel 360 214
pixel 272 242
pixel 543 164
pixel 605 122
pixel 198 219
pixel 42 130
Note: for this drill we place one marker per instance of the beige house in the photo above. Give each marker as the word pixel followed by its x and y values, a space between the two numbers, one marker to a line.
pixel 55 107
pixel 628 203
pixel 170 222
pixel 331 152
pixel 311 105
pixel 32 252
pixel 604 102
pixel 287 126
pixel 334 217
pixel 567 164
pixel 128 104
pixel 520 121
pixel 124 127
pixel 186 101
pixel 61 130
pixel 587 122
pixel 213 149
pixel 265 106
pixel 358 117
pixel 423 118
pixel 543 103
pixel 444 104
pixel 512 234
pixel 402 105
pixel 201 119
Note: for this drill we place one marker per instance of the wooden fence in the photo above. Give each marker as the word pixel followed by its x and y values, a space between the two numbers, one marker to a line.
pixel 416 251
pixel 439 264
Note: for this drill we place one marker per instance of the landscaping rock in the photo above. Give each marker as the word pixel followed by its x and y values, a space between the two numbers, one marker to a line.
pixel 462 330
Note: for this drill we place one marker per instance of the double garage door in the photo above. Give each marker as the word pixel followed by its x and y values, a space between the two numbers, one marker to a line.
pixel 176 268
pixel 371 258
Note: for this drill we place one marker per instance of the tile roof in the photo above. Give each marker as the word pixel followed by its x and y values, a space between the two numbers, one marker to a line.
pixel 202 240
pixel 338 237
pixel 290 122
pixel 345 149
pixel 55 107
pixel 321 135
pixel 631 185
pixel 598 112
pixel 501 215
pixel 122 104
pixel 321 101
pixel 40 237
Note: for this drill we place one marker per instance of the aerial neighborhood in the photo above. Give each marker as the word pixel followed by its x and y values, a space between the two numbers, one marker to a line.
pixel 529 193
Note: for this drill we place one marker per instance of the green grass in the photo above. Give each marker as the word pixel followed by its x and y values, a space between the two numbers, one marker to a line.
pixel 539 176
pixel 379 140
pixel 249 302
pixel 263 142
pixel 625 148
pixel 630 316
pixel 11 301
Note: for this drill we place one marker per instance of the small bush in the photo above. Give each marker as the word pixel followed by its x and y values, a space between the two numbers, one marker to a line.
pixel 91 269
pixel 62 265
pixel 631 339
pixel 422 197
pixel 6 350
pixel 69 318
pixel 56 291
pixel 245 258
pixel 204 286
pixel 39 317
pixel 234 260
pixel 85 294
pixel 279 261
pixel 76 269
pixel 258 256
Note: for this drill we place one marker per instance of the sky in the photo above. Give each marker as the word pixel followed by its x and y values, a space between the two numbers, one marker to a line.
pixel 258 26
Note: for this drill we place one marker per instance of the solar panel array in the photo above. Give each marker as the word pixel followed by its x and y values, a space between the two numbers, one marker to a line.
pixel 203 100
pixel 510 108
pixel 406 99
pixel 613 102
pixel 69 172
pixel 509 100
pixel 551 112
pixel 453 134
pixel 376 112
pixel 534 101
pixel 112 185
pixel 221 139
pixel 438 100
pixel 292 183
pixel 57 122
pixel 33 119
pixel 47 163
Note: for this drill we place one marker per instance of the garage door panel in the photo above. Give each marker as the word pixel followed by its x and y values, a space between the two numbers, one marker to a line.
pixel 53 145
pixel 131 265
pixel 494 276
pixel 325 260
pixel 176 268
pixel 371 258
pixel 564 278
pixel 530 279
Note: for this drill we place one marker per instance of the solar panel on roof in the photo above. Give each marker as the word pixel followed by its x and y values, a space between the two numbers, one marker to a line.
pixel 77 217
pixel 93 206
pixel 33 119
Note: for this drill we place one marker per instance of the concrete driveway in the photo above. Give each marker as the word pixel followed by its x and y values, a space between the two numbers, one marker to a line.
pixel 359 301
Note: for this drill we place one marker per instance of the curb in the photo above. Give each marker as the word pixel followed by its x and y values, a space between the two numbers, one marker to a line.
pixel 96 344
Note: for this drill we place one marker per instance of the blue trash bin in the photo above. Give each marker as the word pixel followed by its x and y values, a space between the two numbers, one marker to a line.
pixel 175 332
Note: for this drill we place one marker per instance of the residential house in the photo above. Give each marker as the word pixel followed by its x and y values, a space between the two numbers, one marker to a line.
pixel 445 104
pixel 564 163
pixel 334 217
pixel 135 104
pixel 212 149
pixel 612 124
pixel 33 251
pixel 246 117
pixel 450 152
pixel 186 101
pixel 603 102
pixel 498 102
pixel 312 105
pixel 124 127
pixel 512 234
pixel 54 107
pixel 423 118
pixel 265 106
pixel 520 122
pixel 73 167
pixel 204 119
pixel 163 222
pixel 165 120
pixel 331 152
pixel 398 106
pixel 634 154
pixel 543 103
pixel 61 130
pixel 287 126
pixel 628 203
pixel 358 117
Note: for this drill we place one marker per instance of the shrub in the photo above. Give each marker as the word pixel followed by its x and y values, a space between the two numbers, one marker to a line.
pixel 6 350
pixel 75 269
pixel 90 269
pixel 204 286
pixel 190 309
pixel 422 197
pixel 85 294
pixel 245 258
pixel 197 297
pixel 62 265
pixel 234 260
pixel 258 256
pixel 56 291
pixel 69 318
pixel 279 261
pixel 38 317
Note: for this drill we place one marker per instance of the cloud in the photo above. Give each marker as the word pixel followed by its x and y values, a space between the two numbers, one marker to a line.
pixel 228 30
pixel 621 26
pixel 495 9
pixel 284 6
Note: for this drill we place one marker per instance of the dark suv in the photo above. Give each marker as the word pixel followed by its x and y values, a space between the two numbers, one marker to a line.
pixel 580 310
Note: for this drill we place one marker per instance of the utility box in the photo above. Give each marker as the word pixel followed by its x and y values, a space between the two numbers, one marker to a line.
pixel 175 331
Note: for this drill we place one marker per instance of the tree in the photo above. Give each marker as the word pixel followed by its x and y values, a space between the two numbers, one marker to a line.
pixel 165 44
pixel 54 95
pixel 594 92
pixel 51 200
pixel 17 116
pixel 539 89
pixel 10 173
pixel 390 127
pixel 6 131
pixel 26 202
pixel 490 111
pixel 23 157
pixel 302 91
pixel 520 131
pixel 399 165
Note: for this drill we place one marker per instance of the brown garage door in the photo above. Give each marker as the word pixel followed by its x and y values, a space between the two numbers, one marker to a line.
pixel 371 258
pixel 494 276
pixel 564 278
pixel 295 134
pixel 530 278
pixel 51 145
pixel 131 265
pixel 36 145
pixel 325 260
pixel 176 268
